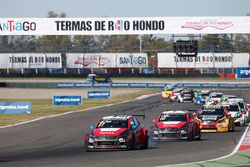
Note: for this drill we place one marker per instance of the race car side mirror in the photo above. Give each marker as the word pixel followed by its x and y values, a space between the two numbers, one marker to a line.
pixel 133 127
pixel 248 106
pixel 91 127
pixel 154 121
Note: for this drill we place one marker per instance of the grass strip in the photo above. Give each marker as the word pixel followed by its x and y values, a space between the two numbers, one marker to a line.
pixel 44 107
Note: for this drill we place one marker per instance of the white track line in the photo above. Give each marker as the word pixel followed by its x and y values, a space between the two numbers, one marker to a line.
pixel 226 156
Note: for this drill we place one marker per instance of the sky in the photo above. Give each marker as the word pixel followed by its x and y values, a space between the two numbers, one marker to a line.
pixel 125 8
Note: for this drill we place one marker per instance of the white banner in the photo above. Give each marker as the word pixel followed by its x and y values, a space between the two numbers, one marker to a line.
pixel 91 60
pixel 124 25
pixel 107 60
pixel 203 60
pixel 33 60
pixel 129 60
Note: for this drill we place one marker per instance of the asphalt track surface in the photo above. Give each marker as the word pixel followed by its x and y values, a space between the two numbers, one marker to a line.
pixel 59 141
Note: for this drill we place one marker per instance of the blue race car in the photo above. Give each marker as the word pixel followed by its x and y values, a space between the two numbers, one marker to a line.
pixel 200 96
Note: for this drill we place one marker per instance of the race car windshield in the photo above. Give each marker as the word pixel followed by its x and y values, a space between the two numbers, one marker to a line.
pixel 113 123
pixel 217 96
pixel 212 112
pixel 204 94
pixel 233 108
pixel 172 117
pixel 241 105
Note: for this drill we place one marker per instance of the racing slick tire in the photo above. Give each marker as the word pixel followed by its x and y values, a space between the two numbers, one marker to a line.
pixel 243 124
pixel 86 147
pixel 232 128
pixel 199 138
pixel 145 146
pixel 191 135
pixel 131 144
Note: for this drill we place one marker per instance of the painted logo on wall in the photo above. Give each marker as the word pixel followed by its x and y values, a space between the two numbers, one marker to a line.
pixel 202 24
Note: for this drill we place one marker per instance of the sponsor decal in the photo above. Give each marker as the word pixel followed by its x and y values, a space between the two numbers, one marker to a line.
pixel 83 85
pixel 33 60
pixel 120 84
pixel 110 25
pixel 102 84
pixel 15 108
pixel 138 85
pixel 210 117
pixel 99 94
pixel 65 85
pixel 245 72
pixel 202 24
pixel 155 85
pixel 171 124
pixel 133 60
pixel 88 61
pixel 108 131
pixel 67 100
pixel 205 59
pixel 17 25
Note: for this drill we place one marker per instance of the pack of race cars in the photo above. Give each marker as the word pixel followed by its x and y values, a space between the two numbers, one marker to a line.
pixel 218 113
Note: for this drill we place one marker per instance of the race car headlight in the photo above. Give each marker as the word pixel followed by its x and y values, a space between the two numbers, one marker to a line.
pixel 123 135
pixel 183 132
pixel 91 140
pixel 121 140
pixel 156 132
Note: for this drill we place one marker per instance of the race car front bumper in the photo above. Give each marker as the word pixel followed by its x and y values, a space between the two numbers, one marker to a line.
pixel 214 128
pixel 168 134
pixel 107 143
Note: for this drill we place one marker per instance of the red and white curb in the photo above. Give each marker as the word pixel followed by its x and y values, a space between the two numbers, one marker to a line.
pixel 246 141
pixel 237 148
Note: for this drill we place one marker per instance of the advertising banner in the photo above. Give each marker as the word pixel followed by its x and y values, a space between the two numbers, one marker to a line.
pixel 15 108
pixel 125 25
pixel 243 72
pixel 203 60
pixel 91 60
pixel 107 60
pixel 130 60
pixel 99 94
pixel 67 100
pixel 30 60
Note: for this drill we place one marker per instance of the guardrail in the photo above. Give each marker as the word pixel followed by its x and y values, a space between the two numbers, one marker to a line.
pixel 152 85
pixel 123 85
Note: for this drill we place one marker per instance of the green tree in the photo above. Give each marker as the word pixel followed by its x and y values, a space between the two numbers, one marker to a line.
pixel 244 43
pixel 119 43
pixel 156 44
pixel 84 43
pixel 54 43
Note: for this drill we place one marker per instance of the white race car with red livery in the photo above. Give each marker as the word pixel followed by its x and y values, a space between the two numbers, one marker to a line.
pixel 176 125
pixel 117 132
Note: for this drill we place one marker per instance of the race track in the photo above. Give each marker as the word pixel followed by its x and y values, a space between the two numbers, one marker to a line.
pixel 58 142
